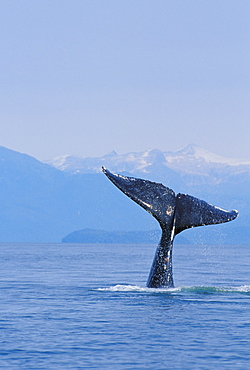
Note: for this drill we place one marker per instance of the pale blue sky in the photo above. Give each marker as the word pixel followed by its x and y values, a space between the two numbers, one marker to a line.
pixel 86 77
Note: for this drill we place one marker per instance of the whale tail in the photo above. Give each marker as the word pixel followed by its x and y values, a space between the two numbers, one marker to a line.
pixel 182 210
pixel 174 213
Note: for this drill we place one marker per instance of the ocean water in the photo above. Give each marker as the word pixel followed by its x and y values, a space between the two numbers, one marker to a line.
pixel 65 306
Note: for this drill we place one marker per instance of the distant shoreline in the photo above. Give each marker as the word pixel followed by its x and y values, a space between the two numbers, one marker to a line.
pixel 124 237
pixel 209 236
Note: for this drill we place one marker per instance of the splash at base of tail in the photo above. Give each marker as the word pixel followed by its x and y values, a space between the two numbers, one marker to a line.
pixel 174 213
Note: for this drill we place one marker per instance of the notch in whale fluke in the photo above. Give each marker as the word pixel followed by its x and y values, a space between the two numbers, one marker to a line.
pixel 163 204
pixel 174 213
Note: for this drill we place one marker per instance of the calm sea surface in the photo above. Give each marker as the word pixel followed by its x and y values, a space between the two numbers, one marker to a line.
pixel 65 306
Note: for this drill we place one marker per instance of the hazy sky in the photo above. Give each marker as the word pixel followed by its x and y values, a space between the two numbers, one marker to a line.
pixel 86 77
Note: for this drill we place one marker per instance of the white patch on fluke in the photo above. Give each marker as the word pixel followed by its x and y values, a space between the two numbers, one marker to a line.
pixel 169 210
pixel 146 204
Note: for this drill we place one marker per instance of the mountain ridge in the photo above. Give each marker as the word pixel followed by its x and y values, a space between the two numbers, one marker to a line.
pixel 192 161
pixel 41 203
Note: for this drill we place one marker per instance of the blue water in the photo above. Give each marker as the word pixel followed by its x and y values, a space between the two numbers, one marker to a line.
pixel 86 307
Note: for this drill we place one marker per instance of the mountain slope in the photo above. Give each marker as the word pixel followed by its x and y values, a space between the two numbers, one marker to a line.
pixel 193 164
pixel 41 203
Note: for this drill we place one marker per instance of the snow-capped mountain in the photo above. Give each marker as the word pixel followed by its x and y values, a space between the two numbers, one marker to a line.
pixel 43 203
pixel 193 164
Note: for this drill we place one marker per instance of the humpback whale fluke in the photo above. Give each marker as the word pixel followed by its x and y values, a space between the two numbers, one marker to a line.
pixel 174 213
